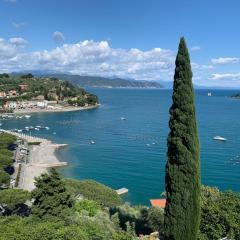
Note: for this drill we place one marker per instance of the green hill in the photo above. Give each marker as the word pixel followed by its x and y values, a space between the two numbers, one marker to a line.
pixel 95 81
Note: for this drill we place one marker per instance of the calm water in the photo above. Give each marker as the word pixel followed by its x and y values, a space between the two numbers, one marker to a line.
pixel 132 153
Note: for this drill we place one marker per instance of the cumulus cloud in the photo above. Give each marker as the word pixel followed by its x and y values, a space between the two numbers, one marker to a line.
pixel 195 48
pixel 95 58
pixel 18 41
pixel 58 37
pixel 225 60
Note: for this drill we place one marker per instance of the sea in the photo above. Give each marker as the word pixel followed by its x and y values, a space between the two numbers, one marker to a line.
pixel 123 143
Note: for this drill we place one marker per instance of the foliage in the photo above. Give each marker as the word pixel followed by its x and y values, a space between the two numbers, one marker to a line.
pixel 24 229
pixel 6 139
pixel 220 213
pixel 92 190
pixel 50 88
pixel 51 196
pixel 4 178
pixel 87 205
pixel 141 220
pixel 182 211
pixel 14 200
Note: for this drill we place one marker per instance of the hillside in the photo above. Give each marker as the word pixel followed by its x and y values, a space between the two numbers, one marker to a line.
pixel 28 88
pixel 92 81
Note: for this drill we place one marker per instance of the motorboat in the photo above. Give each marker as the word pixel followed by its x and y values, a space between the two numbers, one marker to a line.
pixel 92 142
pixel 219 138
pixel 27 116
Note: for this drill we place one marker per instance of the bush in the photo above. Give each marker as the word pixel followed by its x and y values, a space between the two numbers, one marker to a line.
pixel 4 179
pixel 95 191
pixel 87 205
pixel 220 213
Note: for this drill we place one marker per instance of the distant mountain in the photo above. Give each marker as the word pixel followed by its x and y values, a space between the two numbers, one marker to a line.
pixel 94 81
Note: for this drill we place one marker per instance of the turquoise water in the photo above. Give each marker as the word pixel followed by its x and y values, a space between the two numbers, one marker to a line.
pixel 132 153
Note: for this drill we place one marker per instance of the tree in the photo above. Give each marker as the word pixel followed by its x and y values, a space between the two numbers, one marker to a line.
pixel 4 178
pixel 14 201
pixel 51 196
pixel 182 212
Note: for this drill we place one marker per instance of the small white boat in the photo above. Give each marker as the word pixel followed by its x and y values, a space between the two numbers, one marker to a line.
pixel 27 116
pixel 209 94
pixel 47 128
pixel 219 138
pixel 37 129
pixel 92 142
pixel 19 130
pixel 26 127
pixel 123 118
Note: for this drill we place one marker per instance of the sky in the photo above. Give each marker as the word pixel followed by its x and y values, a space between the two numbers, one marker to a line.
pixel 135 39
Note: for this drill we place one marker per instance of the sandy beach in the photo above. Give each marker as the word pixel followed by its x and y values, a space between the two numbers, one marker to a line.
pixel 41 158
pixel 62 109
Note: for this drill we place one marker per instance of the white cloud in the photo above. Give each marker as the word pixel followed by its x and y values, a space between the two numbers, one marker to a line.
pixel 195 48
pixel 18 41
pixel 18 24
pixel 225 60
pixel 226 76
pixel 58 37
pixel 201 66
pixel 95 58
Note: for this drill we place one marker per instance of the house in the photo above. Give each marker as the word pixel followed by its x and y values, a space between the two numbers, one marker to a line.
pixel 12 92
pixel 42 104
pixel 23 87
pixel 10 105
pixel 2 95
pixel 158 202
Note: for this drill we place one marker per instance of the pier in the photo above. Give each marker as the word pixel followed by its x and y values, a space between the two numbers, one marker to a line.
pixel 122 191
pixel 26 137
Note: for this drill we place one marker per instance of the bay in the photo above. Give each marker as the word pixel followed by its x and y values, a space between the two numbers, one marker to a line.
pixel 131 153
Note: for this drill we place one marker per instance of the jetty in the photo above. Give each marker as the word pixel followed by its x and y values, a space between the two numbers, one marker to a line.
pixel 122 191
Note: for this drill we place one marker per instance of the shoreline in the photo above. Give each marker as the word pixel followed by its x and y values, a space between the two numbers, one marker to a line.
pixel 41 158
pixel 64 109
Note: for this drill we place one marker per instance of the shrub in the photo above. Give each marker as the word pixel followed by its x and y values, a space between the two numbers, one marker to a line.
pixel 95 191
pixel 87 205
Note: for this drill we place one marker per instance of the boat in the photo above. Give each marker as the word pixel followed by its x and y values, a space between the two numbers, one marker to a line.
pixel 123 118
pixel 37 129
pixel 19 130
pixel 219 138
pixel 47 128
pixel 92 142
pixel 209 94
pixel 27 116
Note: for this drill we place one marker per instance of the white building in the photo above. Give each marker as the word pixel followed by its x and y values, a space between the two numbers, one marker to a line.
pixel 42 104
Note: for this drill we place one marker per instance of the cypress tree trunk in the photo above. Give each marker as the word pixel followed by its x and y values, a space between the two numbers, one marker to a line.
pixel 182 212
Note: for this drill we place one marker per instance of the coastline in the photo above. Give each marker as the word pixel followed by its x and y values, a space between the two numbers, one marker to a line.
pixel 64 109
pixel 41 158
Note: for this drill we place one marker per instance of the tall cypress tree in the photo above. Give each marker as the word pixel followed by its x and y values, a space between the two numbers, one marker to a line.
pixel 182 212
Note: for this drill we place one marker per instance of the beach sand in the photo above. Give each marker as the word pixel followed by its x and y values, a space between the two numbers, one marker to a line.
pixel 41 158
pixel 62 109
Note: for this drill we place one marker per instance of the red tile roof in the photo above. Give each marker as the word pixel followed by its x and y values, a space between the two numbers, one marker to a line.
pixel 158 203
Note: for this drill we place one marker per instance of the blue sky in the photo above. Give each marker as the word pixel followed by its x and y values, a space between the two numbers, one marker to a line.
pixel 134 39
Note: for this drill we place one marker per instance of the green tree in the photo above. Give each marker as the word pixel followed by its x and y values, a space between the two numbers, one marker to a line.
pixel 51 196
pixel 87 205
pixel 14 201
pixel 4 178
pixel 181 221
